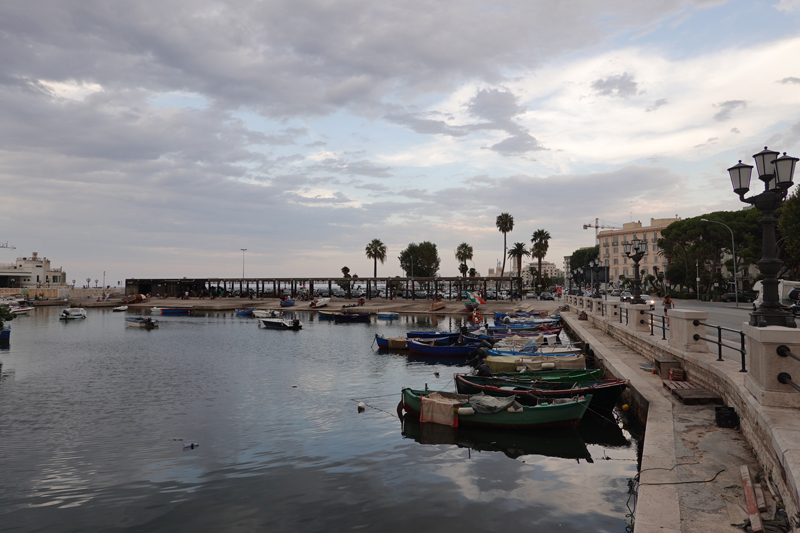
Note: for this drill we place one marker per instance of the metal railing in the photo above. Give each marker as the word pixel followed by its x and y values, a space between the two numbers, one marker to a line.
pixel 664 326
pixel 720 344
pixel 623 311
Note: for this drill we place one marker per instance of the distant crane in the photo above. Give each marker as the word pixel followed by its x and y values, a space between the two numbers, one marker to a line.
pixel 597 226
pixel 5 245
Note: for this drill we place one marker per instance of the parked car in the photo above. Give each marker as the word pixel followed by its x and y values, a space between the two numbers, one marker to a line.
pixel 546 296
pixel 746 297
pixel 616 292
pixel 625 296
pixel 531 295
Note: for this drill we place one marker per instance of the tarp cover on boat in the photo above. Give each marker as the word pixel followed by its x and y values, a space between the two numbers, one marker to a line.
pixel 440 410
pixel 483 403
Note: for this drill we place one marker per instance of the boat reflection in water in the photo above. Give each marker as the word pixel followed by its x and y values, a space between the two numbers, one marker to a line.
pixel 564 443
pixel 602 428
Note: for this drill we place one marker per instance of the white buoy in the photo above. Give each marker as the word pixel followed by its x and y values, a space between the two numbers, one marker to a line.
pixel 362 407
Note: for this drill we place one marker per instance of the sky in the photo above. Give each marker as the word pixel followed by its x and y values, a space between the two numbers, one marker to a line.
pixel 158 139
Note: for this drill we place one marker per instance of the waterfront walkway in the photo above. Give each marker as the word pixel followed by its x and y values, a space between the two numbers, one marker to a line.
pixel 690 477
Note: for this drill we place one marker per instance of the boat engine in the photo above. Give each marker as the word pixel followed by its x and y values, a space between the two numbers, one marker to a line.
pixel 296 322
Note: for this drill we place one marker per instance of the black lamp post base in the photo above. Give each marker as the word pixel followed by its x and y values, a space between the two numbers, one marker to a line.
pixel 768 317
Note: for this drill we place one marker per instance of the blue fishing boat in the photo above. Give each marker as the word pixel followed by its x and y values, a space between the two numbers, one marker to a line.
pixel 326 315
pixel 387 315
pixel 346 318
pixel 172 311
pixel 431 334
pixel 430 348
pixel 5 333
pixel 244 312
pixel 401 343
pixel 287 303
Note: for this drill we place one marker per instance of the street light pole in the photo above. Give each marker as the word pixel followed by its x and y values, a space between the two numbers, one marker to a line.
pixel 635 250
pixel 733 251
pixel 776 172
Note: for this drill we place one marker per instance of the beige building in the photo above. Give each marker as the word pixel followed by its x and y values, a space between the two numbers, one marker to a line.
pixel 32 272
pixel 613 255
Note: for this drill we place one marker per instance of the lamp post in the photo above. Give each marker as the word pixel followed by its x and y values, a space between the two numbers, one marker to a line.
pixel 776 173
pixel 635 250
pixel 595 265
pixel 581 279
pixel 243 251
pixel 88 283
pixel 733 251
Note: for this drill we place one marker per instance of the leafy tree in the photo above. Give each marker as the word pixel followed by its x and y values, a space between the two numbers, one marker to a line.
pixel 5 315
pixel 540 242
pixel 376 251
pixel 789 228
pixel 345 285
pixel 463 254
pixel 421 260
pixel 504 223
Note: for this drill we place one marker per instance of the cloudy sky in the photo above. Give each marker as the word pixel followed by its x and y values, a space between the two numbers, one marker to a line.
pixel 150 139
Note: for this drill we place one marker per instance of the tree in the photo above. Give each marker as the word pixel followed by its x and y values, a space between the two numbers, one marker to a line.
pixel 376 251
pixel 345 285
pixel 518 251
pixel 504 223
pixel 420 260
pixel 540 242
pixel 463 254
pixel 5 315
pixel 789 227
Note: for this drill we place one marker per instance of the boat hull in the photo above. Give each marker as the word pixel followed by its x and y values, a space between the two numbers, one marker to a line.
pixel 344 318
pixel 141 322
pixel 420 348
pixel 278 323
pixel 5 334
pixel 172 311
pixel 544 416
pixel 604 393
pixel 287 303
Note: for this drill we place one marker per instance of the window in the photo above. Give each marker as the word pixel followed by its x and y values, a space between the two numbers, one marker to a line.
pixel 616 261
pixel 616 250
pixel 606 240
pixel 655 247
pixel 624 271
pixel 616 272
pixel 624 260
pixel 645 259
pixel 655 235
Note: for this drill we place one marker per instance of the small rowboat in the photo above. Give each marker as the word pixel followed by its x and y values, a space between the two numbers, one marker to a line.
pixel 593 374
pixel 431 334
pixel 346 318
pixel 72 313
pixel 327 315
pixel 604 393
pixel 401 343
pixel 172 311
pixel 266 313
pixel 388 315
pixel 429 348
pixel 280 323
pixel 467 411
pixel 320 302
pixel 244 312
pixel 120 309
pixel 141 322
pixel 287 303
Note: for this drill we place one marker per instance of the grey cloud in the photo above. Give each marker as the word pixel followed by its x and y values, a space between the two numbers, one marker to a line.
pixel 518 144
pixel 286 136
pixel 316 144
pixel 790 80
pixel 658 103
pixel 621 86
pixel 427 126
pixel 735 130
pixel 709 141
pixel 353 168
pixel 494 105
pixel 726 108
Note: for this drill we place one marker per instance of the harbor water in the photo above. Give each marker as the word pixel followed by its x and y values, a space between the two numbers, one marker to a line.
pixel 95 419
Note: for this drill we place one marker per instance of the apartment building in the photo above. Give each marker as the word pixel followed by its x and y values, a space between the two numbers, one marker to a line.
pixel 613 255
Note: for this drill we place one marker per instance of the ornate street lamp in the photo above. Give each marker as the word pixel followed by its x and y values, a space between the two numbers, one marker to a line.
pixel 596 265
pixel 635 250
pixel 777 174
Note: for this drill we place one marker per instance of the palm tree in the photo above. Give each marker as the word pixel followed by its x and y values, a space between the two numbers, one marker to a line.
pixel 504 223
pixel 376 251
pixel 463 254
pixel 539 246
pixel 517 252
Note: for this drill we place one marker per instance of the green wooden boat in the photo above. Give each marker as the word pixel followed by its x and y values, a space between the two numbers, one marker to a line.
pixel 555 413
pixel 573 376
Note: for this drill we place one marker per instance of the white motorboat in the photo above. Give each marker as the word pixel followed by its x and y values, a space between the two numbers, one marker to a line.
pixel 20 309
pixel 120 308
pixel 320 302
pixel 73 313
pixel 280 323
pixel 141 322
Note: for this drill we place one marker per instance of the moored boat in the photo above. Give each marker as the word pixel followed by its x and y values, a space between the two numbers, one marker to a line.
pixel 120 309
pixel 347 318
pixel 477 410
pixel 280 323
pixel 287 303
pixel 73 313
pixel 430 348
pixel 388 315
pixel 20 309
pixel 5 333
pixel 431 334
pixel 326 315
pixel 604 393
pixel 320 302
pixel 172 311
pixel 243 312
pixel 141 322
pixel 266 313
pixel 593 374
pixel 515 363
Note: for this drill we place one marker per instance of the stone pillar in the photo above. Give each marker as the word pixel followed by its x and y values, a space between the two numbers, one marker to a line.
pixel 764 364
pixel 682 330
pixel 638 322
pixel 597 307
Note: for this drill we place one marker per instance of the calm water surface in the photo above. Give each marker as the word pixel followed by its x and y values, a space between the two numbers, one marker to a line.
pixel 94 416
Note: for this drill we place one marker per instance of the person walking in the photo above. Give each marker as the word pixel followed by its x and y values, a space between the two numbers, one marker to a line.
pixel 668 304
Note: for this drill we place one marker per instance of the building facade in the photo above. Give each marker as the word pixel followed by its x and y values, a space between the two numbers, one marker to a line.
pixel 31 273
pixel 613 255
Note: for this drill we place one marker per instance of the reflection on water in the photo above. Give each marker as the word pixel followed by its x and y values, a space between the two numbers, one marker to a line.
pixel 94 415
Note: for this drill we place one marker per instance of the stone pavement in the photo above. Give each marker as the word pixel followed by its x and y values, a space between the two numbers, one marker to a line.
pixel 689 478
